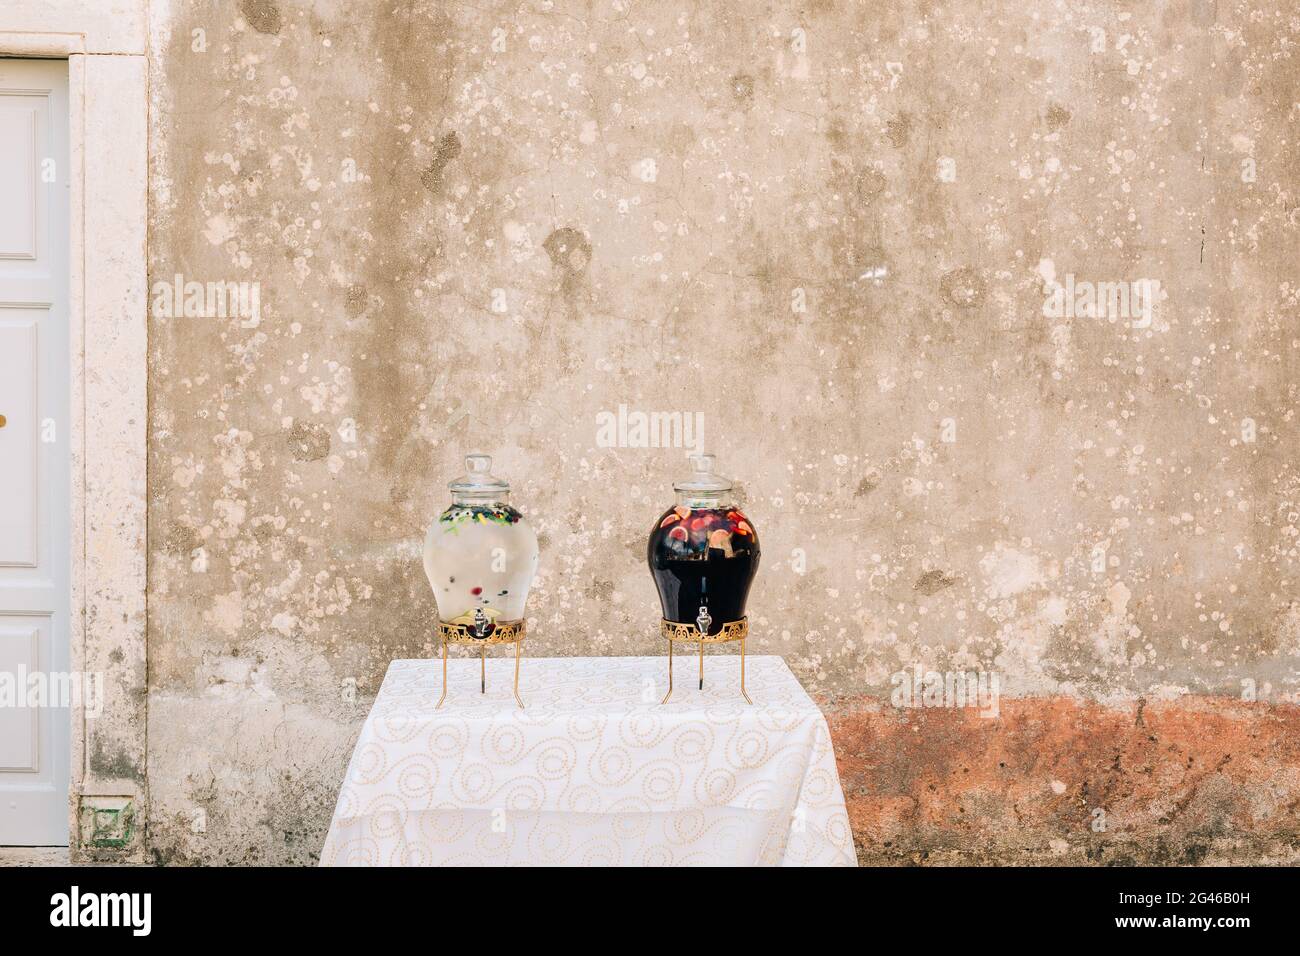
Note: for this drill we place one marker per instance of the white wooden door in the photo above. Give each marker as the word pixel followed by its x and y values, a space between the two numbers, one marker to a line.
pixel 35 509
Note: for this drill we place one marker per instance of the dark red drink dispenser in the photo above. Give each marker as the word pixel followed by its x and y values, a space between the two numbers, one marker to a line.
pixel 703 553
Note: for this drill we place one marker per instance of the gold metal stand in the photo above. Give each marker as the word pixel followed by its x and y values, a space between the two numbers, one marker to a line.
pixel 690 633
pixel 503 632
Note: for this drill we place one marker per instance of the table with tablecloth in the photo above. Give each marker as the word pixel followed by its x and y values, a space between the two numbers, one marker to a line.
pixel 594 770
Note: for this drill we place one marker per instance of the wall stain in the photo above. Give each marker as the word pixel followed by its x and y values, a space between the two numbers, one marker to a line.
pixel 448 148
pixel 964 288
pixel 309 441
pixel 262 15
pixel 356 300
pixel 570 253
pixel 932 582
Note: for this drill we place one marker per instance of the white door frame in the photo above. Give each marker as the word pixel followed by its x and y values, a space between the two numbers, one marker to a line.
pixel 104 42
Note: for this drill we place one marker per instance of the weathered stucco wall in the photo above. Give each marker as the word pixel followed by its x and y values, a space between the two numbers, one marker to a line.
pixel 831 231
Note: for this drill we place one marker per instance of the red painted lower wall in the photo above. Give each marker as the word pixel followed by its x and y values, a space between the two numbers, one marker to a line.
pixel 1056 780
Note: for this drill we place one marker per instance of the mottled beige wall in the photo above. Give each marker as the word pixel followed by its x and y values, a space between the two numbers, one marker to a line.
pixel 827 229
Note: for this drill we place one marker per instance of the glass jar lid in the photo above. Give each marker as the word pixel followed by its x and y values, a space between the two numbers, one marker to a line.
pixel 478 482
pixel 702 482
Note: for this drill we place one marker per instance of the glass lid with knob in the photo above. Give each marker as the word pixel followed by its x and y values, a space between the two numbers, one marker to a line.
pixel 478 484
pixel 702 483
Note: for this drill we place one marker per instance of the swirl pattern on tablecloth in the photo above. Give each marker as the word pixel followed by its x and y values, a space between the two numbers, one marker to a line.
pixel 594 771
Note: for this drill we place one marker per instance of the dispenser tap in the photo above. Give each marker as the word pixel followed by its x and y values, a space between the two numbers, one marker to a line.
pixel 480 623
pixel 703 621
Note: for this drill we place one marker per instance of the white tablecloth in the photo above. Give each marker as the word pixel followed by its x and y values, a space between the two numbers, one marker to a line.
pixel 595 771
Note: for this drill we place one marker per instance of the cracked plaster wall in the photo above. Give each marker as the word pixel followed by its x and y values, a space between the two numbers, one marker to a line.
pixel 828 229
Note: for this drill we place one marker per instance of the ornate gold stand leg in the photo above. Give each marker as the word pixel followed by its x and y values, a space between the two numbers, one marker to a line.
pixel 742 672
pixel 519 700
pixel 701 665
pixel 482 680
pixel 670 673
pixel 444 675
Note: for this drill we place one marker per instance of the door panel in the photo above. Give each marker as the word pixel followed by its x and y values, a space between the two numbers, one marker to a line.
pixel 18 178
pixel 18 357
pixel 35 497
pixel 20 655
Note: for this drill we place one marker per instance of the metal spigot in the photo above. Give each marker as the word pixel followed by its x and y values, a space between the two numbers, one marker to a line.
pixel 703 621
pixel 480 623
